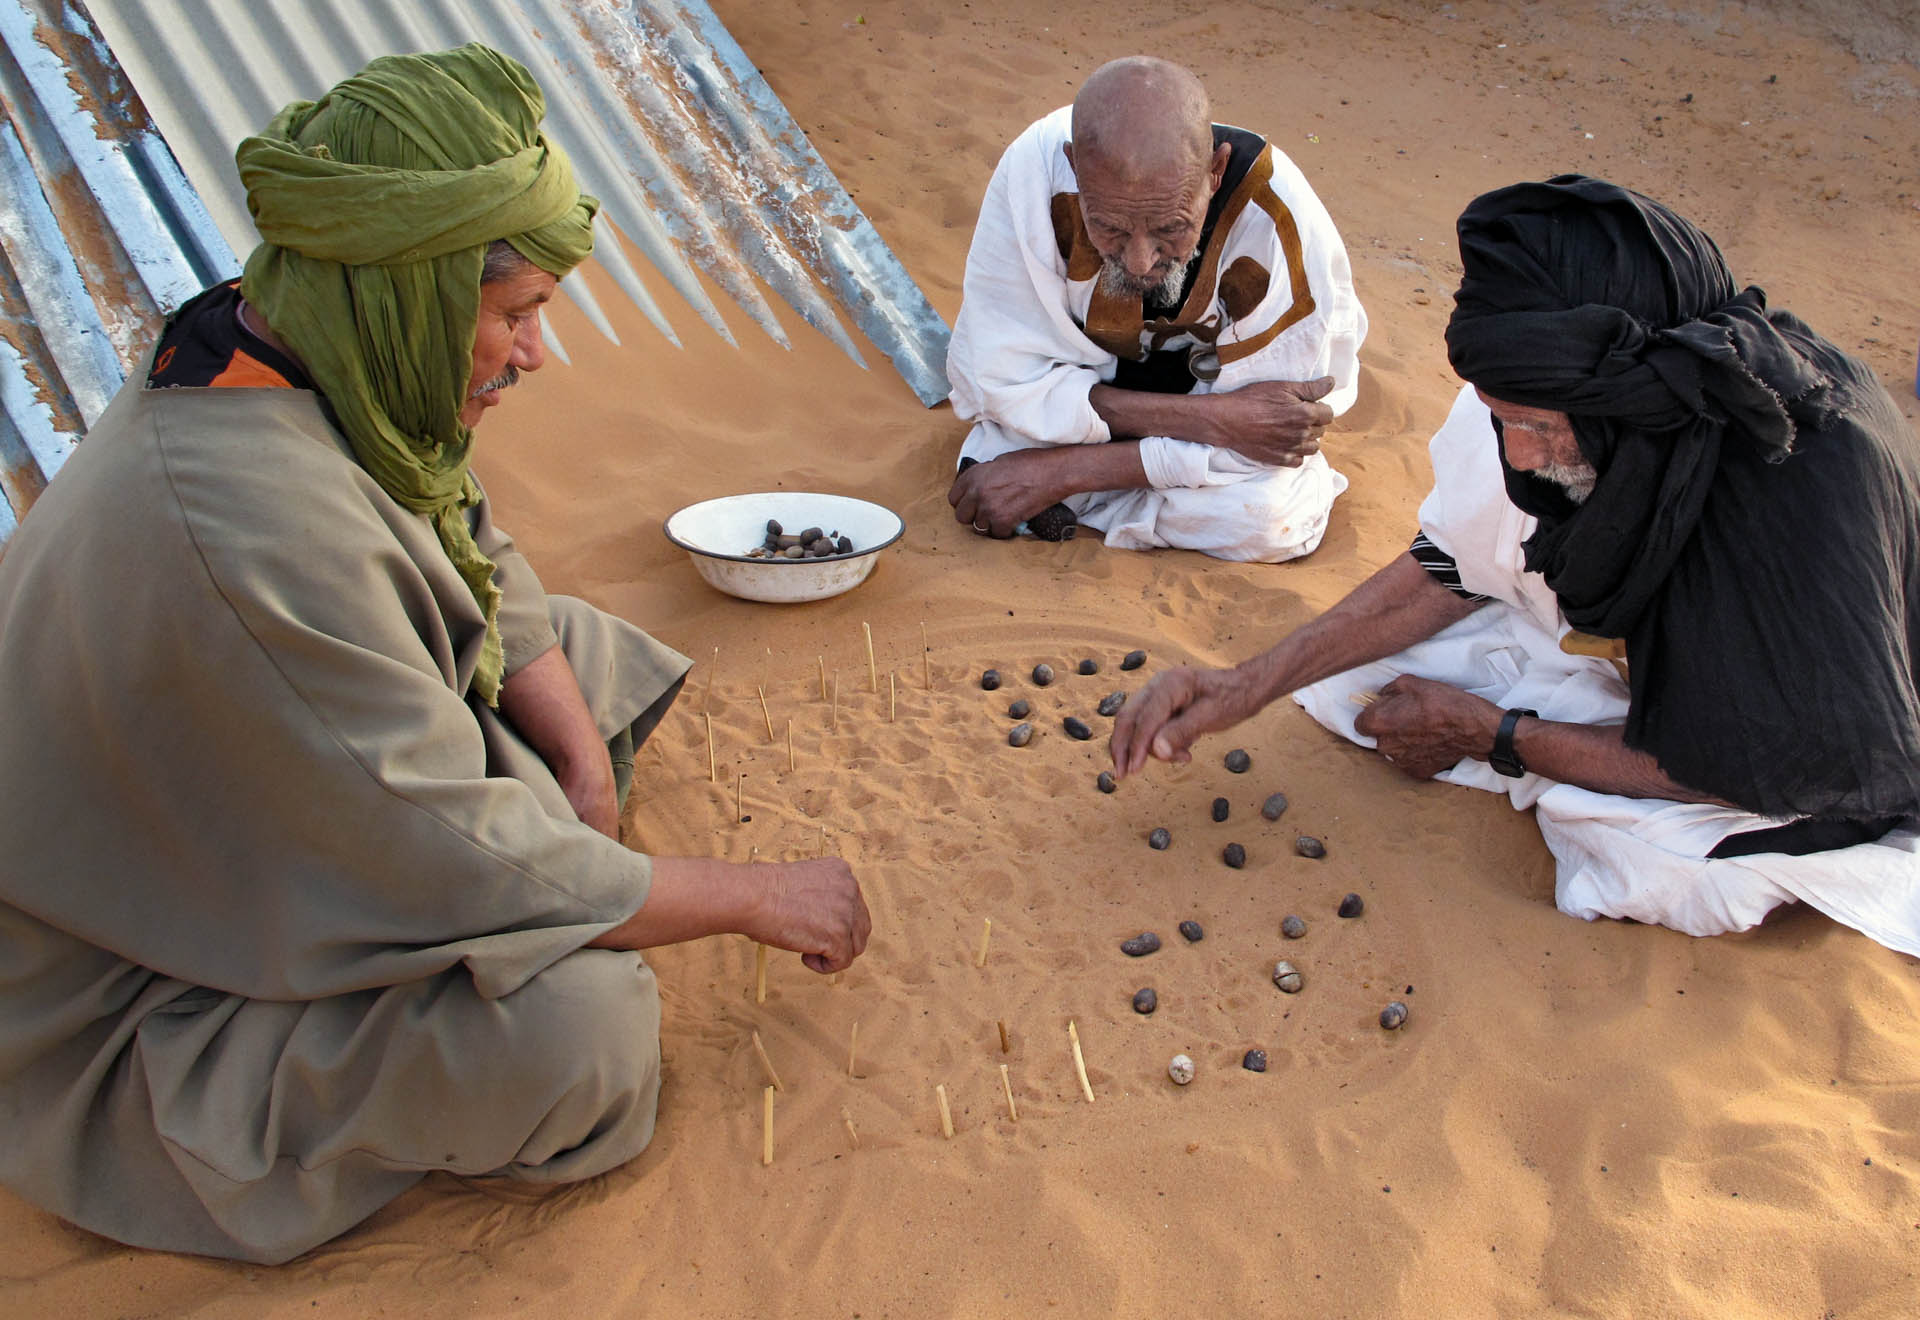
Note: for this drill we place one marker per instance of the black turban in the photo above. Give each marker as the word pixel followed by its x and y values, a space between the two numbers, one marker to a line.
pixel 1754 531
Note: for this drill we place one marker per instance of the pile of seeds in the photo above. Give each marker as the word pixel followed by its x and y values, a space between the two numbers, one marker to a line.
pixel 810 543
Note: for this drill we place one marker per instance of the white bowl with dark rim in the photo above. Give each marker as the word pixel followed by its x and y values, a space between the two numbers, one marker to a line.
pixel 717 534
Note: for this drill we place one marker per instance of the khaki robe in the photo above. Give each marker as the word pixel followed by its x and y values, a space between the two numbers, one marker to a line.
pixel 286 919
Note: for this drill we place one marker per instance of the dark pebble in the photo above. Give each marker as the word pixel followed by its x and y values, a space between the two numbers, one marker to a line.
pixel 1352 905
pixel 1020 735
pixel 1111 703
pixel 1192 932
pixel 1393 1016
pixel 1089 666
pixel 1141 945
pixel 844 545
pixel 1308 846
pixel 786 542
pixel 1145 1000
pixel 1019 710
pixel 1254 1061
pixel 1221 807
pixel 1234 855
pixel 794 552
pixel 1160 840
pixel 1105 782
pixel 812 534
pixel 1076 728
pixel 1042 675
pixel 1238 760
pixel 1287 977
pixel 773 527
pixel 1133 660
pixel 990 680
pixel 1274 807
pixel 1292 926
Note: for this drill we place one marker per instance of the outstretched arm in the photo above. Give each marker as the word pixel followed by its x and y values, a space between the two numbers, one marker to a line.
pixel 1396 607
pixel 812 907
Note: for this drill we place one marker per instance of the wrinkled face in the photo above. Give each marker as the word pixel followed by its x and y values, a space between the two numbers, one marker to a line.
pixel 1542 442
pixel 507 341
pixel 1146 230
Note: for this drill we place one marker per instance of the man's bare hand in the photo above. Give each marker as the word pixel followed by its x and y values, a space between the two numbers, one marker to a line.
pixel 997 496
pixel 813 908
pixel 1424 727
pixel 1175 708
pixel 1277 422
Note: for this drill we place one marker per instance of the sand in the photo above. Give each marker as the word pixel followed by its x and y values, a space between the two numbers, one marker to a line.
pixel 1578 1119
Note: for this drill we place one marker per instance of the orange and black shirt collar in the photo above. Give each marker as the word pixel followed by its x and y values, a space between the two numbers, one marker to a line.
pixel 205 345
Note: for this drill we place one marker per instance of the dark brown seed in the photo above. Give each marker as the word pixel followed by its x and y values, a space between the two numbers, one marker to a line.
pixel 1076 728
pixel 1292 926
pixel 1089 666
pixel 788 541
pixel 1042 675
pixel 1221 807
pixel 1019 710
pixel 843 545
pixel 1160 840
pixel 1393 1016
pixel 1274 807
pixel 1020 735
pixel 1234 855
pixel 1254 1061
pixel 820 545
pixel 1352 905
pixel 990 680
pixel 1133 660
pixel 1111 703
pixel 1238 760
pixel 1105 782
pixel 1192 932
pixel 1141 945
pixel 1145 1000
pixel 1287 977
pixel 1308 846
pixel 811 535
pixel 795 552
pixel 773 527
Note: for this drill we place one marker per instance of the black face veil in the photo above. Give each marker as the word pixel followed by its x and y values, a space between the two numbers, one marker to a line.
pixel 1753 530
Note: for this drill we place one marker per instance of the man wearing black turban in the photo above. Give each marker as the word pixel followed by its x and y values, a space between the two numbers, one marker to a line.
pixel 1684 527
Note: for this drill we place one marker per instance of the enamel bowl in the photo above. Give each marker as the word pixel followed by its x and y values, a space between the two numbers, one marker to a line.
pixel 717 534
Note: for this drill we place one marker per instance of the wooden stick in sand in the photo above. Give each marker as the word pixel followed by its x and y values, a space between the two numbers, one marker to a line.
pixel 926 659
pixel 1364 698
pixel 986 933
pixel 766 1125
pixel 946 1114
pixel 853 1043
pixel 852 1135
pixel 765 714
pixel 1006 1085
pixel 706 700
pixel 766 1064
pixel 713 767
pixel 739 792
pixel 1079 1063
pixel 823 676
pixel 891 698
pixel 759 973
pixel 873 674
pixel 1006 1046
pixel 823 840
pixel 836 699
pixel 789 746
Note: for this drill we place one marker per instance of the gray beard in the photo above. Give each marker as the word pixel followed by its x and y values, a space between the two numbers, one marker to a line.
pixel 1115 282
pixel 1576 479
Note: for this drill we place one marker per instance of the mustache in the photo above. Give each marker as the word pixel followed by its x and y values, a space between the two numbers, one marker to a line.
pixel 504 381
pixel 1117 280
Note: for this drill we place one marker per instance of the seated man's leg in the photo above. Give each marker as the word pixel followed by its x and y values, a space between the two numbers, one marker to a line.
pixel 1264 517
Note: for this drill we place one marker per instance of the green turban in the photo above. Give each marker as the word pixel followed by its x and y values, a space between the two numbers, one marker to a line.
pixel 376 205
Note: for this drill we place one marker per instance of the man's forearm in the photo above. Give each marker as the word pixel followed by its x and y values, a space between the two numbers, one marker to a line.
pixel 690 898
pixel 543 702
pixel 1390 611
pixel 1594 757
pixel 1133 414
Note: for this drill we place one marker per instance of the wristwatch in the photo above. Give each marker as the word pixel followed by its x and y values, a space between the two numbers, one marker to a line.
pixel 1504 758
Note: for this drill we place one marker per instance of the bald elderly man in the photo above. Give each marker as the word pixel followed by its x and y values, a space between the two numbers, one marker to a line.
pixel 1157 325
pixel 309 791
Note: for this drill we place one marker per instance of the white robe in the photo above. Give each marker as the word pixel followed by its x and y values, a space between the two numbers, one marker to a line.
pixel 1641 858
pixel 1022 362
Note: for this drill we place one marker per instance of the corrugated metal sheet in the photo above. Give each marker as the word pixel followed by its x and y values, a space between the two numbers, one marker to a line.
pixel 699 167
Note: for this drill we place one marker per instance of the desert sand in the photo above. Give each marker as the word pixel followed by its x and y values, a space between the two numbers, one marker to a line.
pixel 1578 1119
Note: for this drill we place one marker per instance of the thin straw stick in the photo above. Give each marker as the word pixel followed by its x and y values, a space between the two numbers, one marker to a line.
pixel 759 973
pixel 739 790
pixel 873 674
pixel 713 767
pixel 853 1043
pixel 836 699
pixel 789 746
pixel 1079 1063
pixel 1006 1046
pixel 847 1118
pixel 823 676
pixel 926 658
pixel 706 700
pixel 765 714
pixel 766 1064
pixel 1006 1085
pixel 1364 698
pixel 891 698
pixel 823 840
pixel 766 1125
pixel 946 1114
pixel 985 934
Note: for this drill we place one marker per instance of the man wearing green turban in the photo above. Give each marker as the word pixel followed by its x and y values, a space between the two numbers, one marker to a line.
pixel 310 793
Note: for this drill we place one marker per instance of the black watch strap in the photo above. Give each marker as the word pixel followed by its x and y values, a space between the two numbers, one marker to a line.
pixel 1504 758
